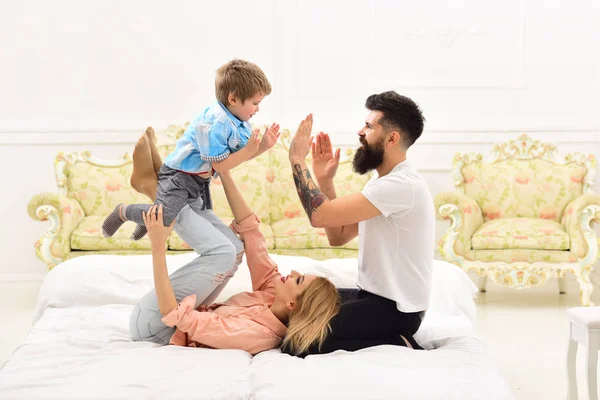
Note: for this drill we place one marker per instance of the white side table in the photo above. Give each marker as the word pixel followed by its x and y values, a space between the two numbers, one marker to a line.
pixel 584 329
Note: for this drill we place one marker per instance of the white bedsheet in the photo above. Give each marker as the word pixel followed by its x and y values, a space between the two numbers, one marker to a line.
pixel 79 346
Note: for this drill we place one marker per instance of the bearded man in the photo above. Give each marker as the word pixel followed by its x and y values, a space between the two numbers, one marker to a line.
pixel 393 217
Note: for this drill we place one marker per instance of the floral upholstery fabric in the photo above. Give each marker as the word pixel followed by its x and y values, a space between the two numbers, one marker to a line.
pixel 470 214
pixel 521 233
pixel 88 236
pixel 175 242
pixel 522 255
pixel 253 179
pixel 128 252
pixel 100 189
pixel 296 233
pixel 523 188
pixel 318 254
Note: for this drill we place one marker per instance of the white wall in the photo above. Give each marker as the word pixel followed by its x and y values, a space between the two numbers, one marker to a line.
pixel 91 75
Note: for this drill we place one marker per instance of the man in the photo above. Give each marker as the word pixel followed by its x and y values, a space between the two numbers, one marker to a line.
pixel 393 218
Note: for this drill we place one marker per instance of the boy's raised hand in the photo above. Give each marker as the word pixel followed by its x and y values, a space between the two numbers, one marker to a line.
pixel 269 138
pixel 253 142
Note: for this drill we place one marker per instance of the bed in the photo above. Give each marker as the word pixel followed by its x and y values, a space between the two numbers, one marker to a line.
pixel 79 346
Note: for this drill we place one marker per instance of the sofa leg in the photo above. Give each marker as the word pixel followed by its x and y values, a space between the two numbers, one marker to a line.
pixel 562 284
pixel 585 288
pixel 482 283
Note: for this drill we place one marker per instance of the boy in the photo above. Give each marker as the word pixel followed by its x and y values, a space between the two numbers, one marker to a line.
pixel 220 138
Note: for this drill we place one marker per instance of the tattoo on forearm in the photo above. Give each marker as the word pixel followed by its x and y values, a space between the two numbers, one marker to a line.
pixel 310 195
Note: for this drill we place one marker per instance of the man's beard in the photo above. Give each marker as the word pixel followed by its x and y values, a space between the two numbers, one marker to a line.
pixel 368 157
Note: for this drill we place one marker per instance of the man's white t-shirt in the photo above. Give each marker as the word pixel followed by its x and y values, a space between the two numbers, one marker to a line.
pixel 395 252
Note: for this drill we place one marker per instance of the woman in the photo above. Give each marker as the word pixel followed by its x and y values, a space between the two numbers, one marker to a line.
pixel 295 309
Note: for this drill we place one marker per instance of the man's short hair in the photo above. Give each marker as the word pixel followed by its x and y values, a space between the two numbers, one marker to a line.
pixel 241 78
pixel 399 113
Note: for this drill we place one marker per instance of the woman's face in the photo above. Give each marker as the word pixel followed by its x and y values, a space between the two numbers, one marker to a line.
pixel 288 288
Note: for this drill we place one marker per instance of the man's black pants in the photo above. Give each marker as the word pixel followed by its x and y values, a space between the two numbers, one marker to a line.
pixel 365 320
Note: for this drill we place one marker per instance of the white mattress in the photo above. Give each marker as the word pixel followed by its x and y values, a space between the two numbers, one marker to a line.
pixel 79 346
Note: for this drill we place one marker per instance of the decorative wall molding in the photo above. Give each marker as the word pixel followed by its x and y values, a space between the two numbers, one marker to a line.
pixel 125 135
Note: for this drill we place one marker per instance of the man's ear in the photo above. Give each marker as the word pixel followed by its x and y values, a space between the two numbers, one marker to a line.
pixel 394 137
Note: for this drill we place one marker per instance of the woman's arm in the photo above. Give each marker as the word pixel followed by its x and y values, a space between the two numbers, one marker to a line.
pixel 158 234
pixel 241 210
pixel 210 329
pixel 262 268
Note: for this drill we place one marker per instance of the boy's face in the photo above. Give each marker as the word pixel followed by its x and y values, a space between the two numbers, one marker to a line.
pixel 245 110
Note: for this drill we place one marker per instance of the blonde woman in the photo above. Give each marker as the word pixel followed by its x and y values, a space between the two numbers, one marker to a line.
pixel 292 310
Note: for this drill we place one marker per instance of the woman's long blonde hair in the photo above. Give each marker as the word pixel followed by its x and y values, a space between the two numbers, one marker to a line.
pixel 309 320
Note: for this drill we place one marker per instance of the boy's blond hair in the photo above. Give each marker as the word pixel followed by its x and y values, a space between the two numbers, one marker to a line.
pixel 241 78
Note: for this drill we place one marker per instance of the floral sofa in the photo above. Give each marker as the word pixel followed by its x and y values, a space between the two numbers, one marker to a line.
pixel 522 217
pixel 90 188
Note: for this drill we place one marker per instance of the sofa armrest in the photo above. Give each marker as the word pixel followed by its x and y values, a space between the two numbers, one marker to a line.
pixel 577 220
pixel 64 214
pixel 465 216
